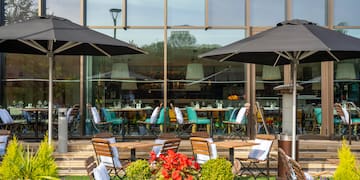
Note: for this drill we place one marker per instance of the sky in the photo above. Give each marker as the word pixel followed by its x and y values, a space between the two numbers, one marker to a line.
pixel 192 12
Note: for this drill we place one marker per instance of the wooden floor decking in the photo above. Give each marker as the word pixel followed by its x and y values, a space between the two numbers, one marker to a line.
pixel 313 154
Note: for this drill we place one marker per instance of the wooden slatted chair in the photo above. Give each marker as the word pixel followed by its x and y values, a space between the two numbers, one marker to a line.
pixel 171 144
pixel 202 149
pixel 105 154
pixel 90 165
pixel 258 154
pixel 293 169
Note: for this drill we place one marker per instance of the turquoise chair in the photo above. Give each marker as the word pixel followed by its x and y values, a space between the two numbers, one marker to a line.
pixel 118 123
pixel 161 120
pixel 195 120
pixel 236 128
pixel 318 119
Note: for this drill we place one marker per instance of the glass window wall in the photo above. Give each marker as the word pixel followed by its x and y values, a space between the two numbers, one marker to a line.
pixel 262 15
pixel 346 12
pixel 227 13
pixel 315 13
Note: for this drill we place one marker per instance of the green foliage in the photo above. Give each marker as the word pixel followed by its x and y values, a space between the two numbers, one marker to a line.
pixel 138 170
pixel 217 169
pixel 20 164
pixel 347 168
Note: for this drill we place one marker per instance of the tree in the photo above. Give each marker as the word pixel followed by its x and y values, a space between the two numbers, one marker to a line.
pixel 179 39
pixel 19 10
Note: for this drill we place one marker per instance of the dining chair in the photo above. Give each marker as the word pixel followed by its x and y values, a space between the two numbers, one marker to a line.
pixel 97 124
pixel 237 122
pixel 347 120
pixel 203 149
pixel 183 125
pixel 118 123
pixel 259 153
pixel 318 119
pixel 155 124
pixel 4 139
pixel 8 122
pixel 108 155
pixel 293 169
pixel 90 165
pixel 195 120
pixel 170 144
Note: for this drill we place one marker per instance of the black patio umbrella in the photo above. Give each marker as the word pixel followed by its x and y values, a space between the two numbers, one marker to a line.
pixel 290 42
pixel 51 35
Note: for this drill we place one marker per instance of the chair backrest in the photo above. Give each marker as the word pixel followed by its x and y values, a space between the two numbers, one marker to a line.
pixel 232 114
pixel 284 160
pixel 4 139
pixel 342 113
pixel 318 115
pixel 170 144
pixel 201 149
pixel 262 150
pixel 105 153
pixel 90 165
pixel 155 115
pixel 179 116
pixel 203 134
pixel 5 117
pixel 107 115
pixel 192 116
pixel 241 116
pixel 95 115
pixel 162 116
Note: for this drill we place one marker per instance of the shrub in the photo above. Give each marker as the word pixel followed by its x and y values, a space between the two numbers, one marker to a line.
pixel 138 170
pixel 347 168
pixel 217 169
pixel 20 164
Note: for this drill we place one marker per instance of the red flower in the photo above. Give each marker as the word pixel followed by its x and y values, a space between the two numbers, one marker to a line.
pixel 175 166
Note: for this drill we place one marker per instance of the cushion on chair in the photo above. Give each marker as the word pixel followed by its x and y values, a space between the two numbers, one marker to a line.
pixel 4 140
pixel 260 151
pixel 69 117
pixel 213 149
pixel 241 116
pixel 154 115
pixel 107 160
pixel 234 112
pixel 100 172
pixel 345 118
pixel 95 115
pixel 179 115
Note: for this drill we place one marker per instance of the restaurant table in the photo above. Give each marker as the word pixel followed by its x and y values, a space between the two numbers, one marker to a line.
pixel 132 146
pixel 231 144
pixel 211 110
pixel 126 110
pixel 37 112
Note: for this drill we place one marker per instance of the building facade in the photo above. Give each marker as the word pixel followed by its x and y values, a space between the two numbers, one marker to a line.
pixel 174 33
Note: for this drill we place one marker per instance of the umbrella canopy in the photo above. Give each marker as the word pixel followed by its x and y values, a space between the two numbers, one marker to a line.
pixel 290 42
pixel 51 35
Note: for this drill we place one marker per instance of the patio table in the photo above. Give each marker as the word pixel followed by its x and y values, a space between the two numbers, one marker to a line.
pixel 234 144
pixel 132 146
pixel 37 112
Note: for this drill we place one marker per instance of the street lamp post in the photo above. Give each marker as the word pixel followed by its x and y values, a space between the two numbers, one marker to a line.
pixel 114 14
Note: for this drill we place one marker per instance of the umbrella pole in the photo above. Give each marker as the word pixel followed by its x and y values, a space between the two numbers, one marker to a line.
pixel 293 145
pixel 51 57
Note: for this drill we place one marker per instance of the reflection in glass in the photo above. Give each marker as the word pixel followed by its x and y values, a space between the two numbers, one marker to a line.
pixel 346 12
pixel 145 13
pixel 68 9
pixel 98 12
pixel 315 13
pixel 186 13
pixel 262 15
pixel 227 13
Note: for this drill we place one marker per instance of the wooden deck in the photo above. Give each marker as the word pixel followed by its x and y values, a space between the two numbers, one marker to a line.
pixel 313 154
